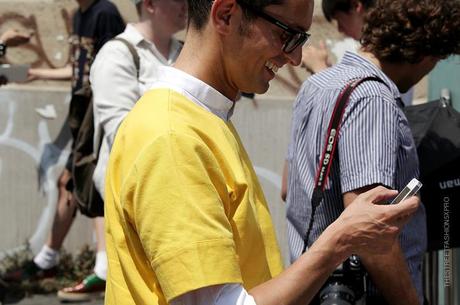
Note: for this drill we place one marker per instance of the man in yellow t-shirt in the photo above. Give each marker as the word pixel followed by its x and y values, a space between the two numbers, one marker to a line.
pixel 186 220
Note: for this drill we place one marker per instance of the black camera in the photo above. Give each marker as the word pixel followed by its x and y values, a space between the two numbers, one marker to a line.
pixel 346 285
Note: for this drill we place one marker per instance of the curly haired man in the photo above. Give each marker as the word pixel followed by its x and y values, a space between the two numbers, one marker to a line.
pixel 401 42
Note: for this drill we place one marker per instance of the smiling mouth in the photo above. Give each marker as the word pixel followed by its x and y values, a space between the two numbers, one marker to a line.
pixel 271 66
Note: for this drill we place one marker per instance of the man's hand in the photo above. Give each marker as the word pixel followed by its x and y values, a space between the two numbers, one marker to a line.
pixel 315 59
pixel 371 228
pixel 32 75
pixel 13 38
pixel 389 271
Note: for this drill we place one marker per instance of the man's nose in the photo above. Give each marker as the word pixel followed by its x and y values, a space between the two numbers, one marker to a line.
pixel 294 57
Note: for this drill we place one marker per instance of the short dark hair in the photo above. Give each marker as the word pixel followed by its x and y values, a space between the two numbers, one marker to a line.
pixel 406 31
pixel 198 10
pixel 332 7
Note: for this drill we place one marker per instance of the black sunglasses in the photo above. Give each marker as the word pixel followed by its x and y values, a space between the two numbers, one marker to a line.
pixel 294 38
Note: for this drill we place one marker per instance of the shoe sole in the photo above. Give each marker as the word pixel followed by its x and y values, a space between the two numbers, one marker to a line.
pixel 79 297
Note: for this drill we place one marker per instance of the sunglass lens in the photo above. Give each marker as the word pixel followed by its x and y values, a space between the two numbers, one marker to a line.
pixel 295 41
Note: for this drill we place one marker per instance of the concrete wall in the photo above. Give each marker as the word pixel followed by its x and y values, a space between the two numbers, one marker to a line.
pixel 264 128
pixel 28 199
pixel 28 127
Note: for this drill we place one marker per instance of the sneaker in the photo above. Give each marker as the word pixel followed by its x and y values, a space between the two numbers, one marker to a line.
pixel 3 290
pixel 92 287
pixel 29 271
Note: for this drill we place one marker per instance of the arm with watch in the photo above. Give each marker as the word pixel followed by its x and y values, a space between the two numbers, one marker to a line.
pixel 11 38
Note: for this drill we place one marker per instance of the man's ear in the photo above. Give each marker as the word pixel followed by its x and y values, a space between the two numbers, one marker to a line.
pixel 224 14
pixel 150 7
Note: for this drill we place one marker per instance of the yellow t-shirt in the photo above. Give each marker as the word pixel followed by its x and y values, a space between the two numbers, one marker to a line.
pixel 184 209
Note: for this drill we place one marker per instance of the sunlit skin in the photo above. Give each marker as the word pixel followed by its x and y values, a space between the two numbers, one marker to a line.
pixel 350 23
pixel 404 75
pixel 172 13
pixel 261 45
pixel 160 19
pixel 235 59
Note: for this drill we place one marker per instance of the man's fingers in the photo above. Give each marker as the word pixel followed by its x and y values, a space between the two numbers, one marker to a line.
pixel 379 194
pixel 402 211
pixel 322 45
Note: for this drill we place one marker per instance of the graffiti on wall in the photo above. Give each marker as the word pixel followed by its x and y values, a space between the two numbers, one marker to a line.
pixel 47 155
pixel 36 49
pixel 290 80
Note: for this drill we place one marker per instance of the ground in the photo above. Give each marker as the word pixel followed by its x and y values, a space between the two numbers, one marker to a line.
pixel 51 299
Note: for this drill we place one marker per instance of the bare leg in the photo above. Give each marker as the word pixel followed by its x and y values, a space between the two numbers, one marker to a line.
pixel 100 237
pixel 64 214
pixel 100 268
pixel 94 284
pixel 284 180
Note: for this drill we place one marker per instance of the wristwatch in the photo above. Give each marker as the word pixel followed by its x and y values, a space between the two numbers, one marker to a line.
pixel 2 49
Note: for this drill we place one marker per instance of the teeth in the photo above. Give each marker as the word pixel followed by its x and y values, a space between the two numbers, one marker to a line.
pixel 271 66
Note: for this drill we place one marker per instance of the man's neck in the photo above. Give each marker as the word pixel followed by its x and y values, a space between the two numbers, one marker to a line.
pixel 400 73
pixel 162 41
pixel 84 4
pixel 201 60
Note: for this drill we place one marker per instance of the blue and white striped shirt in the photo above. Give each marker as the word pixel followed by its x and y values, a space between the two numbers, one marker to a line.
pixel 375 147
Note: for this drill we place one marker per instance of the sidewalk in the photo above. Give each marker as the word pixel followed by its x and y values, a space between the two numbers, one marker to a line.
pixel 51 299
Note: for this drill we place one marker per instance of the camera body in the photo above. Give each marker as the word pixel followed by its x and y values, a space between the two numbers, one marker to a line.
pixel 346 285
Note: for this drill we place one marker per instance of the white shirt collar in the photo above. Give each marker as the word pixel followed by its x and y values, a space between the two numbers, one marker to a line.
pixel 198 91
pixel 133 34
pixel 136 38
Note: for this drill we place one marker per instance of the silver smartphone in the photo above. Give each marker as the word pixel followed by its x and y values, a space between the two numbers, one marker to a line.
pixel 410 190
pixel 14 73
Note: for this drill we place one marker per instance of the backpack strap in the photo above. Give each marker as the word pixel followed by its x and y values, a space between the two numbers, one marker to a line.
pixel 132 50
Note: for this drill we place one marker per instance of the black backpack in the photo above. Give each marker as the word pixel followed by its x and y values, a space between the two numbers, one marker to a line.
pixel 85 155
pixel 436 130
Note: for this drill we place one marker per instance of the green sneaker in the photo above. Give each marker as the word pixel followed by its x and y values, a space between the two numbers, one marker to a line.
pixel 92 287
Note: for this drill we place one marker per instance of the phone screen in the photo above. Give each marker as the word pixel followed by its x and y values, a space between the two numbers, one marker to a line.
pixel 411 189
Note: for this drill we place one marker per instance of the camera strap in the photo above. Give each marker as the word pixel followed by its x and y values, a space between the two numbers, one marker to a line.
pixel 330 146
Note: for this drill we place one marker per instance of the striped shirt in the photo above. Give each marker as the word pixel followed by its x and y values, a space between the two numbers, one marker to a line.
pixel 375 146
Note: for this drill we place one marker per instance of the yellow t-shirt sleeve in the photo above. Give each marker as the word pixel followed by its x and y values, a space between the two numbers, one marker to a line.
pixel 181 213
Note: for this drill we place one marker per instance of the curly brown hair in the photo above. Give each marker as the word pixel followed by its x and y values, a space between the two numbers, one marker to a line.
pixel 408 30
